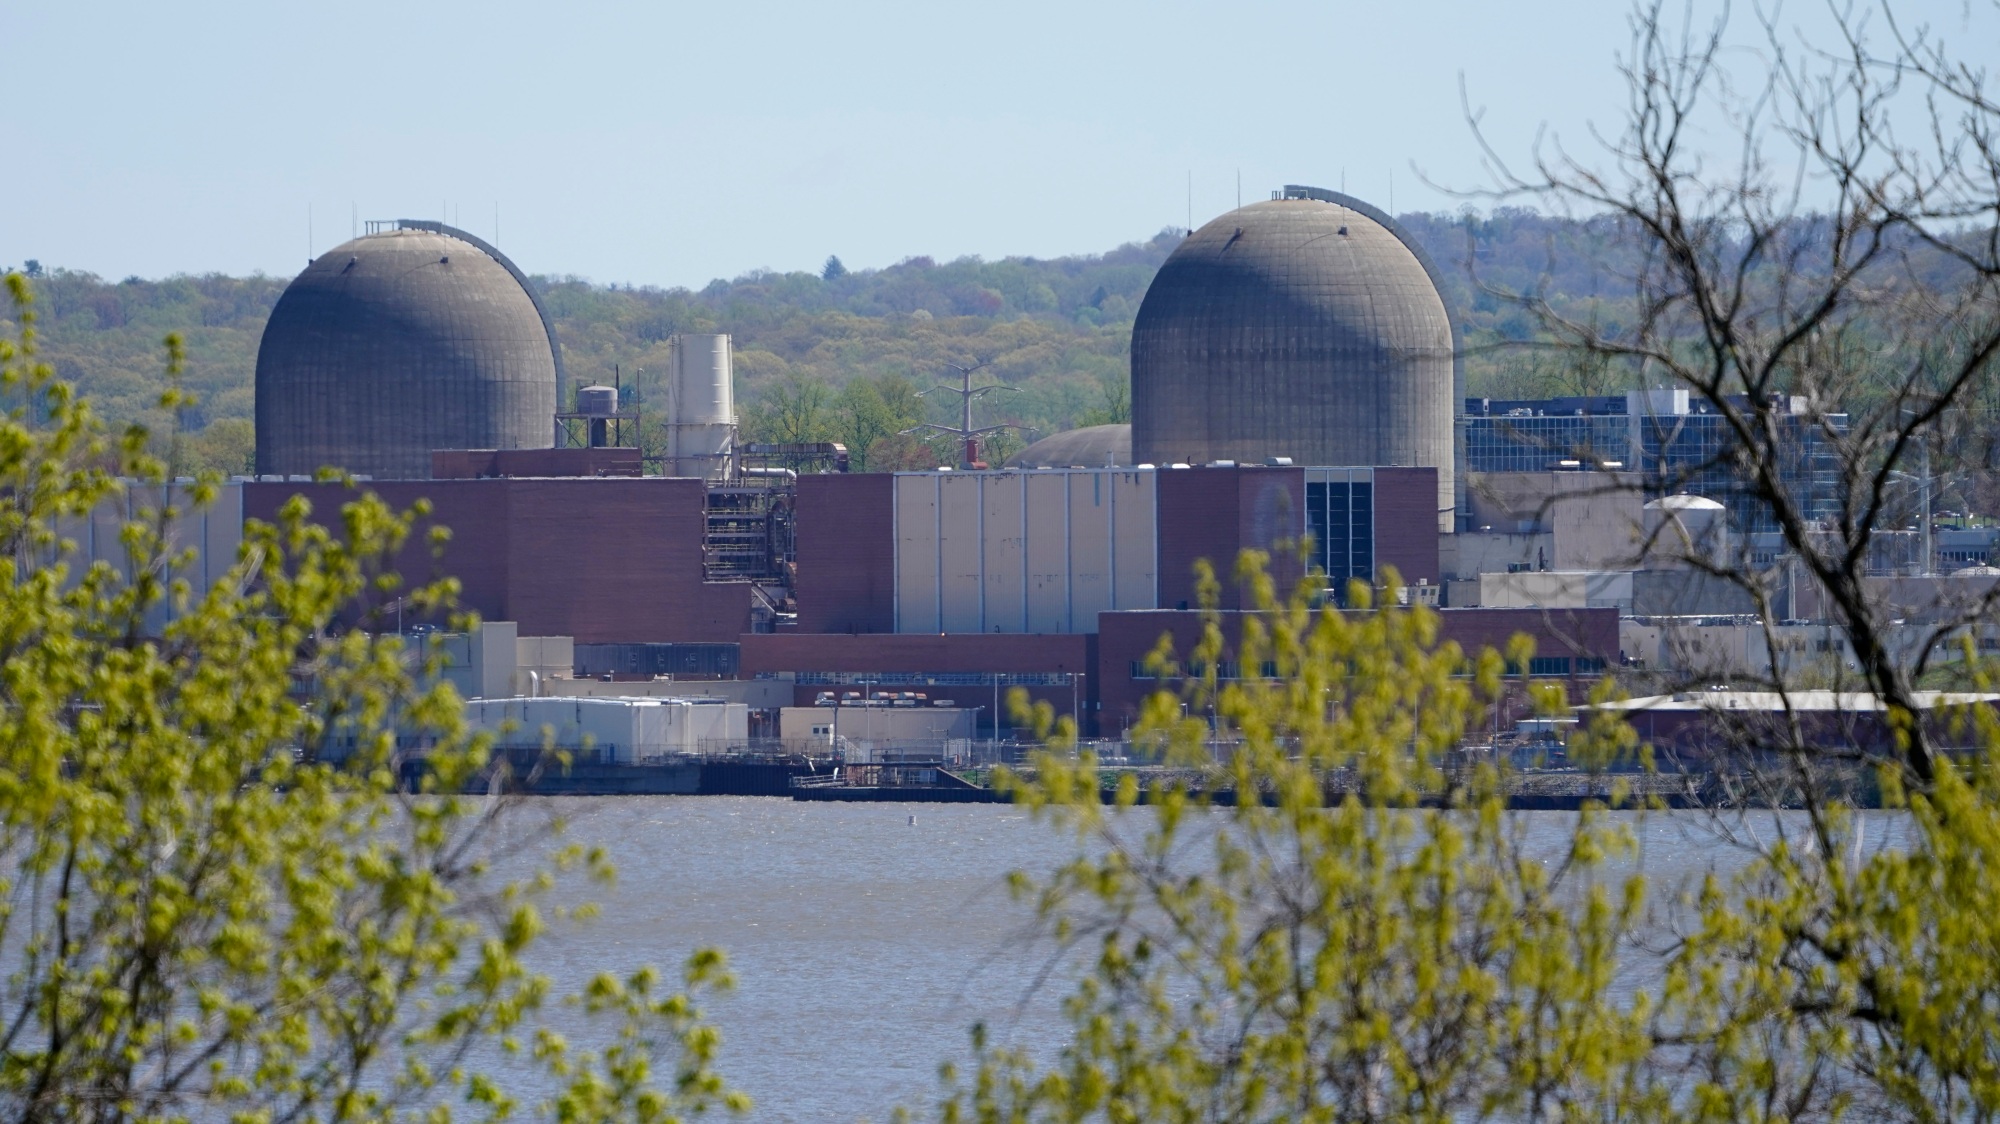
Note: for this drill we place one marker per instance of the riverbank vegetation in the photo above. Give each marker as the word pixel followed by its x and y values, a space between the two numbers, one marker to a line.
pixel 218 901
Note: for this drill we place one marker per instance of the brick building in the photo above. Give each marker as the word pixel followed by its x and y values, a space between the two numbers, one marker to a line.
pixel 958 584
pixel 1568 643
pixel 615 560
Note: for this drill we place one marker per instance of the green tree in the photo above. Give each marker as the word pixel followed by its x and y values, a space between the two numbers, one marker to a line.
pixel 217 903
pixel 798 409
pixel 1297 954
pixel 1114 404
pixel 227 446
pixel 906 452
pixel 872 410
pixel 1364 932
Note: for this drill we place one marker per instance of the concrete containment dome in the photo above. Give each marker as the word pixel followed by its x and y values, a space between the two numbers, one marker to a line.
pixel 398 343
pixel 1303 327
pixel 1092 446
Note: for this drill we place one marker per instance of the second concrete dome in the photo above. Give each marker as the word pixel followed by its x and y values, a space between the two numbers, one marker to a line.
pixel 400 343
pixel 1303 327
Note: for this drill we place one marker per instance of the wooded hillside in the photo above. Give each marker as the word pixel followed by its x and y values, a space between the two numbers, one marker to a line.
pixel 840 355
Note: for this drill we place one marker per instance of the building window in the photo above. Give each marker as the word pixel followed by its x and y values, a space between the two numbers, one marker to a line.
pixel 1341 516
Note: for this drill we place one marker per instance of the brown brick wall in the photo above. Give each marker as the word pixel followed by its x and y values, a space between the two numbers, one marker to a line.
pixel 846 552
pixel 474 511
pixel 1200 515
pixel 1406 527
pixel 1015 652
pixel 468 464
pixel 1271 517
pixel 1591 633
pixel 602 560
pixel 611 561
pixel 1217 513
pixel 1126 638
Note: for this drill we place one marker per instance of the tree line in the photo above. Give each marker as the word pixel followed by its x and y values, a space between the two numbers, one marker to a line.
pixel 838 355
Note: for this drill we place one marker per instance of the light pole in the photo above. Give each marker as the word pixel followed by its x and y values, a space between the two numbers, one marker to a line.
pixel 1922 479
pixel 1075 695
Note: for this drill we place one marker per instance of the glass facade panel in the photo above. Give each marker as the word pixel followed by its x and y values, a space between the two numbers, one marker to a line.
pixel 1340 513
pixel 1675 452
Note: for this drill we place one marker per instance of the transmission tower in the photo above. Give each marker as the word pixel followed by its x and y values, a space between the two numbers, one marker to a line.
pixel 967 394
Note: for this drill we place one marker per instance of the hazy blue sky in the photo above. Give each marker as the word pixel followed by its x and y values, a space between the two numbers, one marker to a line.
pixel 670 144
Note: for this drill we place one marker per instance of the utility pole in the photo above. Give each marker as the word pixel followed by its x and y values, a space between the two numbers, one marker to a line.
pixel 967 394
pixel 1922 479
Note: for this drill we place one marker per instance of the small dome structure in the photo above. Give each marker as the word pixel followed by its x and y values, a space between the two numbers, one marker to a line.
pixel 1684 502
pixel 1683 529
pixel 398 343
pixel 1092 446
pixel 1308 327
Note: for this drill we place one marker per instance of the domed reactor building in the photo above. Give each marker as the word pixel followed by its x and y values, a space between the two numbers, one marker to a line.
pixel 1307 327
pixel 412 338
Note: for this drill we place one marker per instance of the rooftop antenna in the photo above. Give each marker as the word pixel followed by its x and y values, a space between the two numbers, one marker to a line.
pixel 967 395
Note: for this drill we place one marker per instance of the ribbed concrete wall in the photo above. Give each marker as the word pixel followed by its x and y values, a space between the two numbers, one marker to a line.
pixel 1297 328
pixel 397 344
pixel 1022 551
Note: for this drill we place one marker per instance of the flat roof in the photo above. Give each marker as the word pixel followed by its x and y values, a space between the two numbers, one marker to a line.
pixel 1820 701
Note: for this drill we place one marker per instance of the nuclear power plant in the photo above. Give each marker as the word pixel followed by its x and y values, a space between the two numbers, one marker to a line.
pixel 1297 383
pixel 1294 376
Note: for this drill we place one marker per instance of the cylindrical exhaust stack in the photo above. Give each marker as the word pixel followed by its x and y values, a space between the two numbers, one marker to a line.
pixel 701 408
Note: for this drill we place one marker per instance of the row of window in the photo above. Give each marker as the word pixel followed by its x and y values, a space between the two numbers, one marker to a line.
pixel 934 678
pixel 1538 667
pixel 1677 453
pixel 1341 517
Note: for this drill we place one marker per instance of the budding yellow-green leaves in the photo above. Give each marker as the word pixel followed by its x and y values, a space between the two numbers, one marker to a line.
pixel 212 908
pixel 1320 947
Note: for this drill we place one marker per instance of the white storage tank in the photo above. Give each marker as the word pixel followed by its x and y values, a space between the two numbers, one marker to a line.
pixel 701 407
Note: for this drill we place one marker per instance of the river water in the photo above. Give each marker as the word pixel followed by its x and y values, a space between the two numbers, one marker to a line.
pixel 866 945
